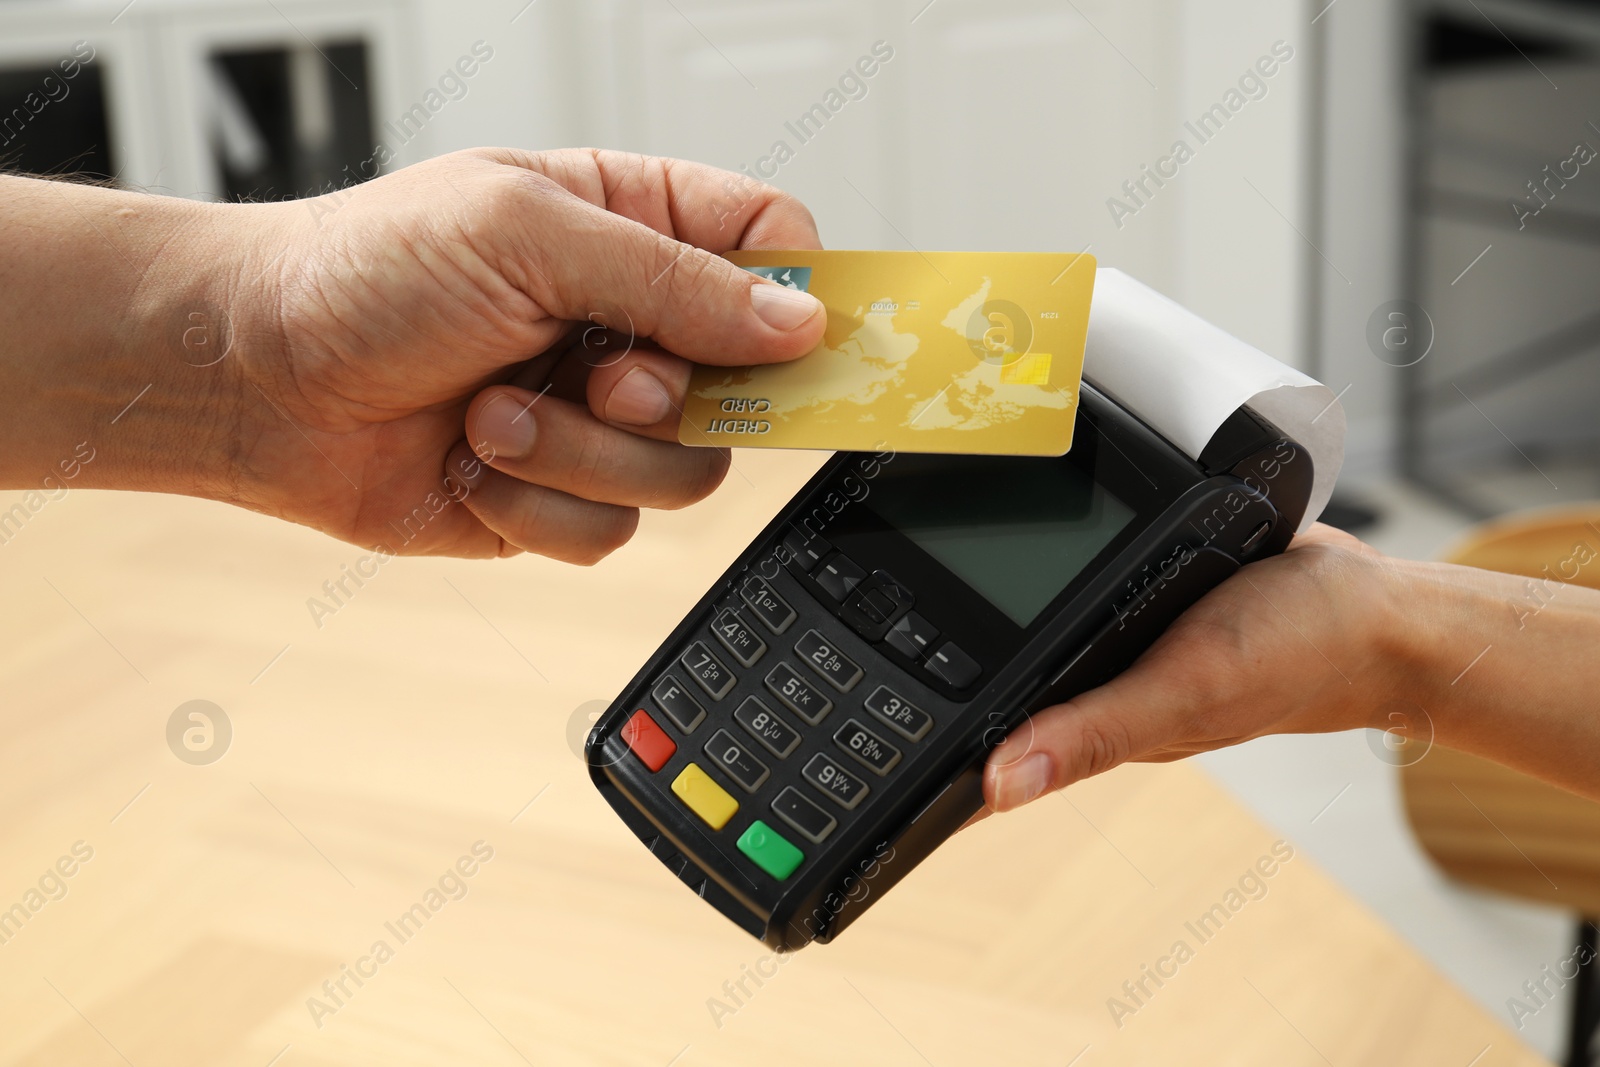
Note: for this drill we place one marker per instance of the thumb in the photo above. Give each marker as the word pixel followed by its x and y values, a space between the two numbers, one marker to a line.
pixel 609 270
pixel 1062 744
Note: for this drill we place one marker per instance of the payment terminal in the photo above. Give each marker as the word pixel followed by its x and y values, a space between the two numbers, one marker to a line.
pixel 818 724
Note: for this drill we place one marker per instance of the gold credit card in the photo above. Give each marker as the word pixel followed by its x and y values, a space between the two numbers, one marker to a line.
pixel 974 352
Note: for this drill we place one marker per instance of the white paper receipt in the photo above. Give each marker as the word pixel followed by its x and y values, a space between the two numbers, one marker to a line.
pixel 1184 377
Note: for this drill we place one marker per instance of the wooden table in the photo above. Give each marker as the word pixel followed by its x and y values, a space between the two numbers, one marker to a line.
pixel 431 712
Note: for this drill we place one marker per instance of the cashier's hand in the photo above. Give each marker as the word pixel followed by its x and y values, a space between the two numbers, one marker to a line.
pixel 1284 646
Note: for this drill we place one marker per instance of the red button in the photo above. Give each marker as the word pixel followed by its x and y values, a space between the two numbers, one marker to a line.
pixel 648 741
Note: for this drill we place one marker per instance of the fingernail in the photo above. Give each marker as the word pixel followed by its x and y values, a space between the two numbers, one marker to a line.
pixel 464 467
pixel 505 428
pixel 639 399
pixel 1024 781
pixel 780 307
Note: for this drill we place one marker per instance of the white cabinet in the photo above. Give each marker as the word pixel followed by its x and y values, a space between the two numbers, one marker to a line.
pixel 37 45
pixel 1025 118
pixel 1004 124
pixel 996 124
pixel 352 51
pixel 176 120
pixel 773 88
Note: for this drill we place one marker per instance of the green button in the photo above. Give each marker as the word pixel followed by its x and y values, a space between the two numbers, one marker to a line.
pixel 771 852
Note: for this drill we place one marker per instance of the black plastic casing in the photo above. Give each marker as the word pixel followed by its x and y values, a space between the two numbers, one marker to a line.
pixel 1195 524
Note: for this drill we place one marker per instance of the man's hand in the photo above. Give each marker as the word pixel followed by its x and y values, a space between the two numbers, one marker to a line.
pixel 344 361
pixel 550 303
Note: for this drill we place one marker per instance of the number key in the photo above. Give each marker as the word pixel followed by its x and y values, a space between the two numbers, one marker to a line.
pixel 773 611
pixel 714 677
pixel 908 720
pixel 734 760
pixel 775 735
pixel 797 694
pixel 841 786
pixel 836 669
pixel 876 754
pixel 738 638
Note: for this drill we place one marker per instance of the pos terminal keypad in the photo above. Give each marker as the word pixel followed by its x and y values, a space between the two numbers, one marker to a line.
pixel 787 732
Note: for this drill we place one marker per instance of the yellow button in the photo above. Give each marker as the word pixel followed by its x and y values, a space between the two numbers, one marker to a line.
pixel 704 797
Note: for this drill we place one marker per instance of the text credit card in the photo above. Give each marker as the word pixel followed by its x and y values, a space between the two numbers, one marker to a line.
pixel 966 352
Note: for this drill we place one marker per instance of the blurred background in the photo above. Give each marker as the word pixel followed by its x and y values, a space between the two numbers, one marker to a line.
pixel 1401 198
